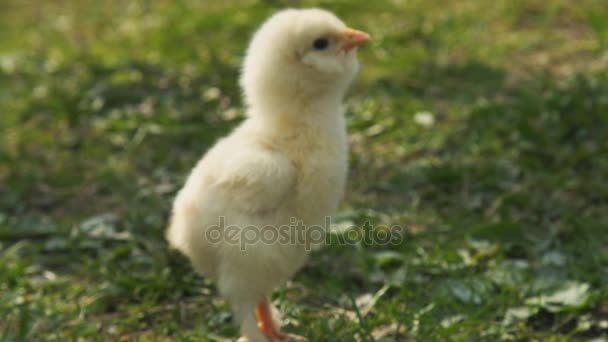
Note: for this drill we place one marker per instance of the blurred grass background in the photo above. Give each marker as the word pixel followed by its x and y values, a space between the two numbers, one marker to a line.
pixel 479 127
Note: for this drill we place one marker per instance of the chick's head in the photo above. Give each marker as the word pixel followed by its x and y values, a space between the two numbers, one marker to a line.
pixel 300 54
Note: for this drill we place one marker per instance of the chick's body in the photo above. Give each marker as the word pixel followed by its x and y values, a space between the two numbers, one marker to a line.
pixel 283 167
pixel 259 177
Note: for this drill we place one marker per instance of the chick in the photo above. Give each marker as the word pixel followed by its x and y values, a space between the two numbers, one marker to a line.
pixel 286 163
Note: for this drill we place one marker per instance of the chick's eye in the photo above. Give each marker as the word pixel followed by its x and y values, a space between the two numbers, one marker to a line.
pixel 320 43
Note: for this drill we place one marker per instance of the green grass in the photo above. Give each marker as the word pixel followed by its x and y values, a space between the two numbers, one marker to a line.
pixel 502 201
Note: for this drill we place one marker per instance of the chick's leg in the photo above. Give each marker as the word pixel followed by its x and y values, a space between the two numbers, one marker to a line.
pixel 266 322
pixel 246 317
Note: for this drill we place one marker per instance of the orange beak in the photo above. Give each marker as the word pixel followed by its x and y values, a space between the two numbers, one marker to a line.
pixel 354 38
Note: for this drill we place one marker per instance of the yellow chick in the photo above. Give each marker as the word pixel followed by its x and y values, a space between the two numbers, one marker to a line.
pixel 285 164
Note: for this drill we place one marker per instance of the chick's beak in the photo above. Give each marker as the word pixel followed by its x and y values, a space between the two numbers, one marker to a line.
pixel 354 38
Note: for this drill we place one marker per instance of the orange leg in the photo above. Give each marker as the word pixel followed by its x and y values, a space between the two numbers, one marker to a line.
pixel 266 323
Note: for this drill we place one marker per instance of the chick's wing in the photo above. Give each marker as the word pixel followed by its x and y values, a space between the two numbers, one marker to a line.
pixel 250 180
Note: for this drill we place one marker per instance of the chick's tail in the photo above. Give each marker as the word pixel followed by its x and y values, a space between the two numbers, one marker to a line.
pixel 186 233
